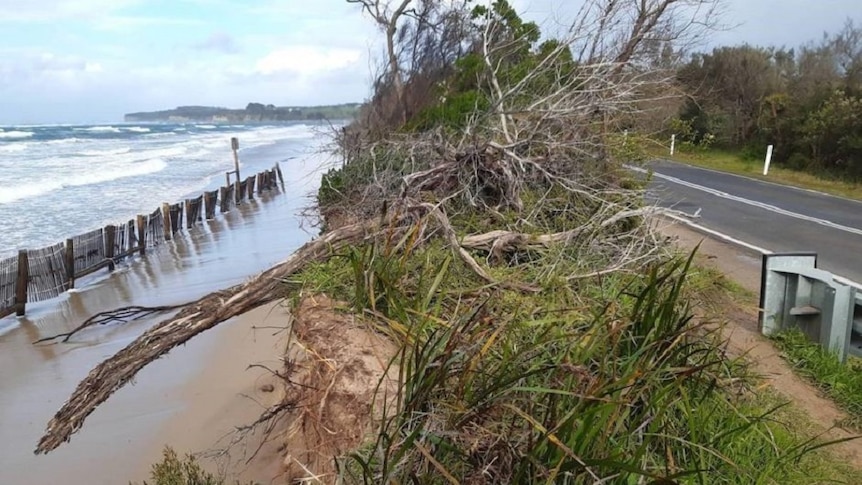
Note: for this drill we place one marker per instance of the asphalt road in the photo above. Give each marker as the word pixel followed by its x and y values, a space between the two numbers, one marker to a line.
pixel 774 217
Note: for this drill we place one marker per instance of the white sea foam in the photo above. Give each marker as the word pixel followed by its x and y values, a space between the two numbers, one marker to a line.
pixel 98 175
pixel 23 191
pixel 112 151
pixel 138 129
pixel 16 134
pixel 14 147
pixel 99 129
pixel 207 127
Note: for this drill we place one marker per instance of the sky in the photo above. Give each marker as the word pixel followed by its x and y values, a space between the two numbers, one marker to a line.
pixel 91 61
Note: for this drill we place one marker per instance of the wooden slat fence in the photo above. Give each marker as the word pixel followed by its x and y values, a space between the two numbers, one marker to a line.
pixel 176 218
pixel 210 204
pixel 155 228
pixel 48 277
pixel 37 275
pixel 89 250
pixel 227 199
pixel 8 274
pixel 194 208
pixel 242 190
pixel 249 184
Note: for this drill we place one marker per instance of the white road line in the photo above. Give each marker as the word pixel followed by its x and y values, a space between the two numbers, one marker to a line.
pixel 739 242
pixel 754 203
pixel 717 234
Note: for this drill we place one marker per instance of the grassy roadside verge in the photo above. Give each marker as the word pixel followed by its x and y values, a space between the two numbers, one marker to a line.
pixel 842 382
pixel 730 162
pixel 605 377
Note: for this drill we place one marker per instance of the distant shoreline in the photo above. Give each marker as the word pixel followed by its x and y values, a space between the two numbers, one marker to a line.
pixel 253 112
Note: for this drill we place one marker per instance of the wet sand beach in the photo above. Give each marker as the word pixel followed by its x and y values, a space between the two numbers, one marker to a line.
pixel 178 399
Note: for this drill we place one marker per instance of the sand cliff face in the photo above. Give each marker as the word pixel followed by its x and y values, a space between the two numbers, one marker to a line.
pixel 339 380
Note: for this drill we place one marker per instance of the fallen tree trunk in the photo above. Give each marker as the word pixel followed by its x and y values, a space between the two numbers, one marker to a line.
pixel 203 314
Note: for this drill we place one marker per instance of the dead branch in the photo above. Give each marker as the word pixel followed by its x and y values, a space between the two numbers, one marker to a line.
pixel 452 239
pixel 120 315
pixel 498 242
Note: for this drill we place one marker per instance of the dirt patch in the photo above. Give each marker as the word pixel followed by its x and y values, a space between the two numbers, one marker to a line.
pixel 340 376
pixel 744 338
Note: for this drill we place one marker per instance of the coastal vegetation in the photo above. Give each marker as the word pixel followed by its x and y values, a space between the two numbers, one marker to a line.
pixel 547 334
pixel 483 223
pixel 252 113
pixel 805 100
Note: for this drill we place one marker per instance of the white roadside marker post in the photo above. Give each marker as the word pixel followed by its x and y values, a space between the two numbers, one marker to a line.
pixel 672 143
pixel 768 160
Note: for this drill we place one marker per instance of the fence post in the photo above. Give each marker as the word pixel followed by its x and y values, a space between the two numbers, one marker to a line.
pixel 110 243
pixel 142 234
pixel 237 191
pixel 70 262
pixel 166 220
pixel 131 235
pixel 22 282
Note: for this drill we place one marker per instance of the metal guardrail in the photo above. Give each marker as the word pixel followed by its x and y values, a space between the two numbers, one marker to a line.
pixel 794 293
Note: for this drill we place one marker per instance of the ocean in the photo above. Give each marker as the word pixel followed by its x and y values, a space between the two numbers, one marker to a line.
pixel 57 181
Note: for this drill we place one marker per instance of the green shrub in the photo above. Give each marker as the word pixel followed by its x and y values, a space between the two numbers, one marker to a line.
pixel 173 471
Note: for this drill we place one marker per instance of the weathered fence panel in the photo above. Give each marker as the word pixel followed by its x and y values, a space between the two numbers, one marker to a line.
pixel 155 228
pixel 249 183
pixel 210 201
pixel 176 218
pixel 243 190
pixel 227 200
pixel 89 250
pixel 273 174
pixel 8 278
pixel 193 210
pixel 47 273
pixel 125 240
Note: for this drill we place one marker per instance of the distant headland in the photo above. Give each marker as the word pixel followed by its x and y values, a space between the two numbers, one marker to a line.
pixel 254 112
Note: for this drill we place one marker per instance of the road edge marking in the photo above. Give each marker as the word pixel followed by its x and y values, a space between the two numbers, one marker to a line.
pixel 740 242
pixel 754 179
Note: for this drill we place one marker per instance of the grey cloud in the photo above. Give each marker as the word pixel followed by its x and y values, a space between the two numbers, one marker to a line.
pixel 218 42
